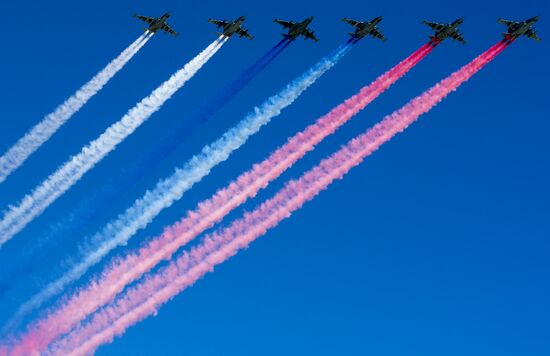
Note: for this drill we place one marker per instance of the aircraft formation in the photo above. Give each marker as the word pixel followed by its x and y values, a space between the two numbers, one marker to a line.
pixel 83 318
pixel 296 29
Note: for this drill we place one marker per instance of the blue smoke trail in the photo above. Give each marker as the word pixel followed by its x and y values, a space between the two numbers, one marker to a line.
pixel 119 230
pixel 88 210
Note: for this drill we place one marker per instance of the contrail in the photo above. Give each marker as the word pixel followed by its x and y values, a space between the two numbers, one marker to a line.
pixel 45 129
pixel 167 191
pixel 95 203
pixel 125 270
pixel 33 204
pixel 145 298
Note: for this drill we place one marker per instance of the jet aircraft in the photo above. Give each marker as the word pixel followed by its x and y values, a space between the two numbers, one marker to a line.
pixel 363 29
pixel 443 31
pixel 296 29
pixel 232 27
pixel 520 28
pixel 158 23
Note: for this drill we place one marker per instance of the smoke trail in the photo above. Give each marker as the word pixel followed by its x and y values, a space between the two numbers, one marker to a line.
pixel 167 191
pixel 125 270
pixel 33 204
pixel 155 290
pixel 45 129
pixel 94 204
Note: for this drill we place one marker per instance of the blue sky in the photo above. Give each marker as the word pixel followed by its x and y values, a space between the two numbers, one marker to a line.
pixel 437 244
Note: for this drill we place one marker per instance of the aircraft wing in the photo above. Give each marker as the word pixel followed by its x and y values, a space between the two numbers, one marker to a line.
pixel 219 23
pixel 147 19
pixel 169 30
pixel 434 25
pixel 244 33
pixel 352 22
pixel 378 34
pixel 506 22
pixel 310 35
pixel 458 37
pixel 285 24
pixel 376 21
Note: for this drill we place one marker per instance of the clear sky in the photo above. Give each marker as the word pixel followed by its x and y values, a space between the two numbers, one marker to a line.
pixel 437 245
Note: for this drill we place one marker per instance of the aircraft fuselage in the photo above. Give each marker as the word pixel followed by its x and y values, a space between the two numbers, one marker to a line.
pixel 299 29
pixel 155 26
pixel 522 27
pixel 448 30
pixel 364 30
pixel 233 27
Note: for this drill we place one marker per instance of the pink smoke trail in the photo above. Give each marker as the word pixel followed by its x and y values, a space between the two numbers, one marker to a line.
pixel 127 269
pixel 157 289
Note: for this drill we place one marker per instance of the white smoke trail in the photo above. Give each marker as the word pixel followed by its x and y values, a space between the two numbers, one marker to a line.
pixel 167 191
pixel 46 128
pixel 33 204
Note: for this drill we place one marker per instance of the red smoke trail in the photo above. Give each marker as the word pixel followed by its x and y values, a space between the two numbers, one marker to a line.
pixel 125 270
pixel 157 289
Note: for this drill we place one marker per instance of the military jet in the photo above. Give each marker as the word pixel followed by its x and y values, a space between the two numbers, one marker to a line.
pixel 363 29
pixel 232 27
pixel 443 31
pixel 521 28
pixel 296 29
pixel 156 24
